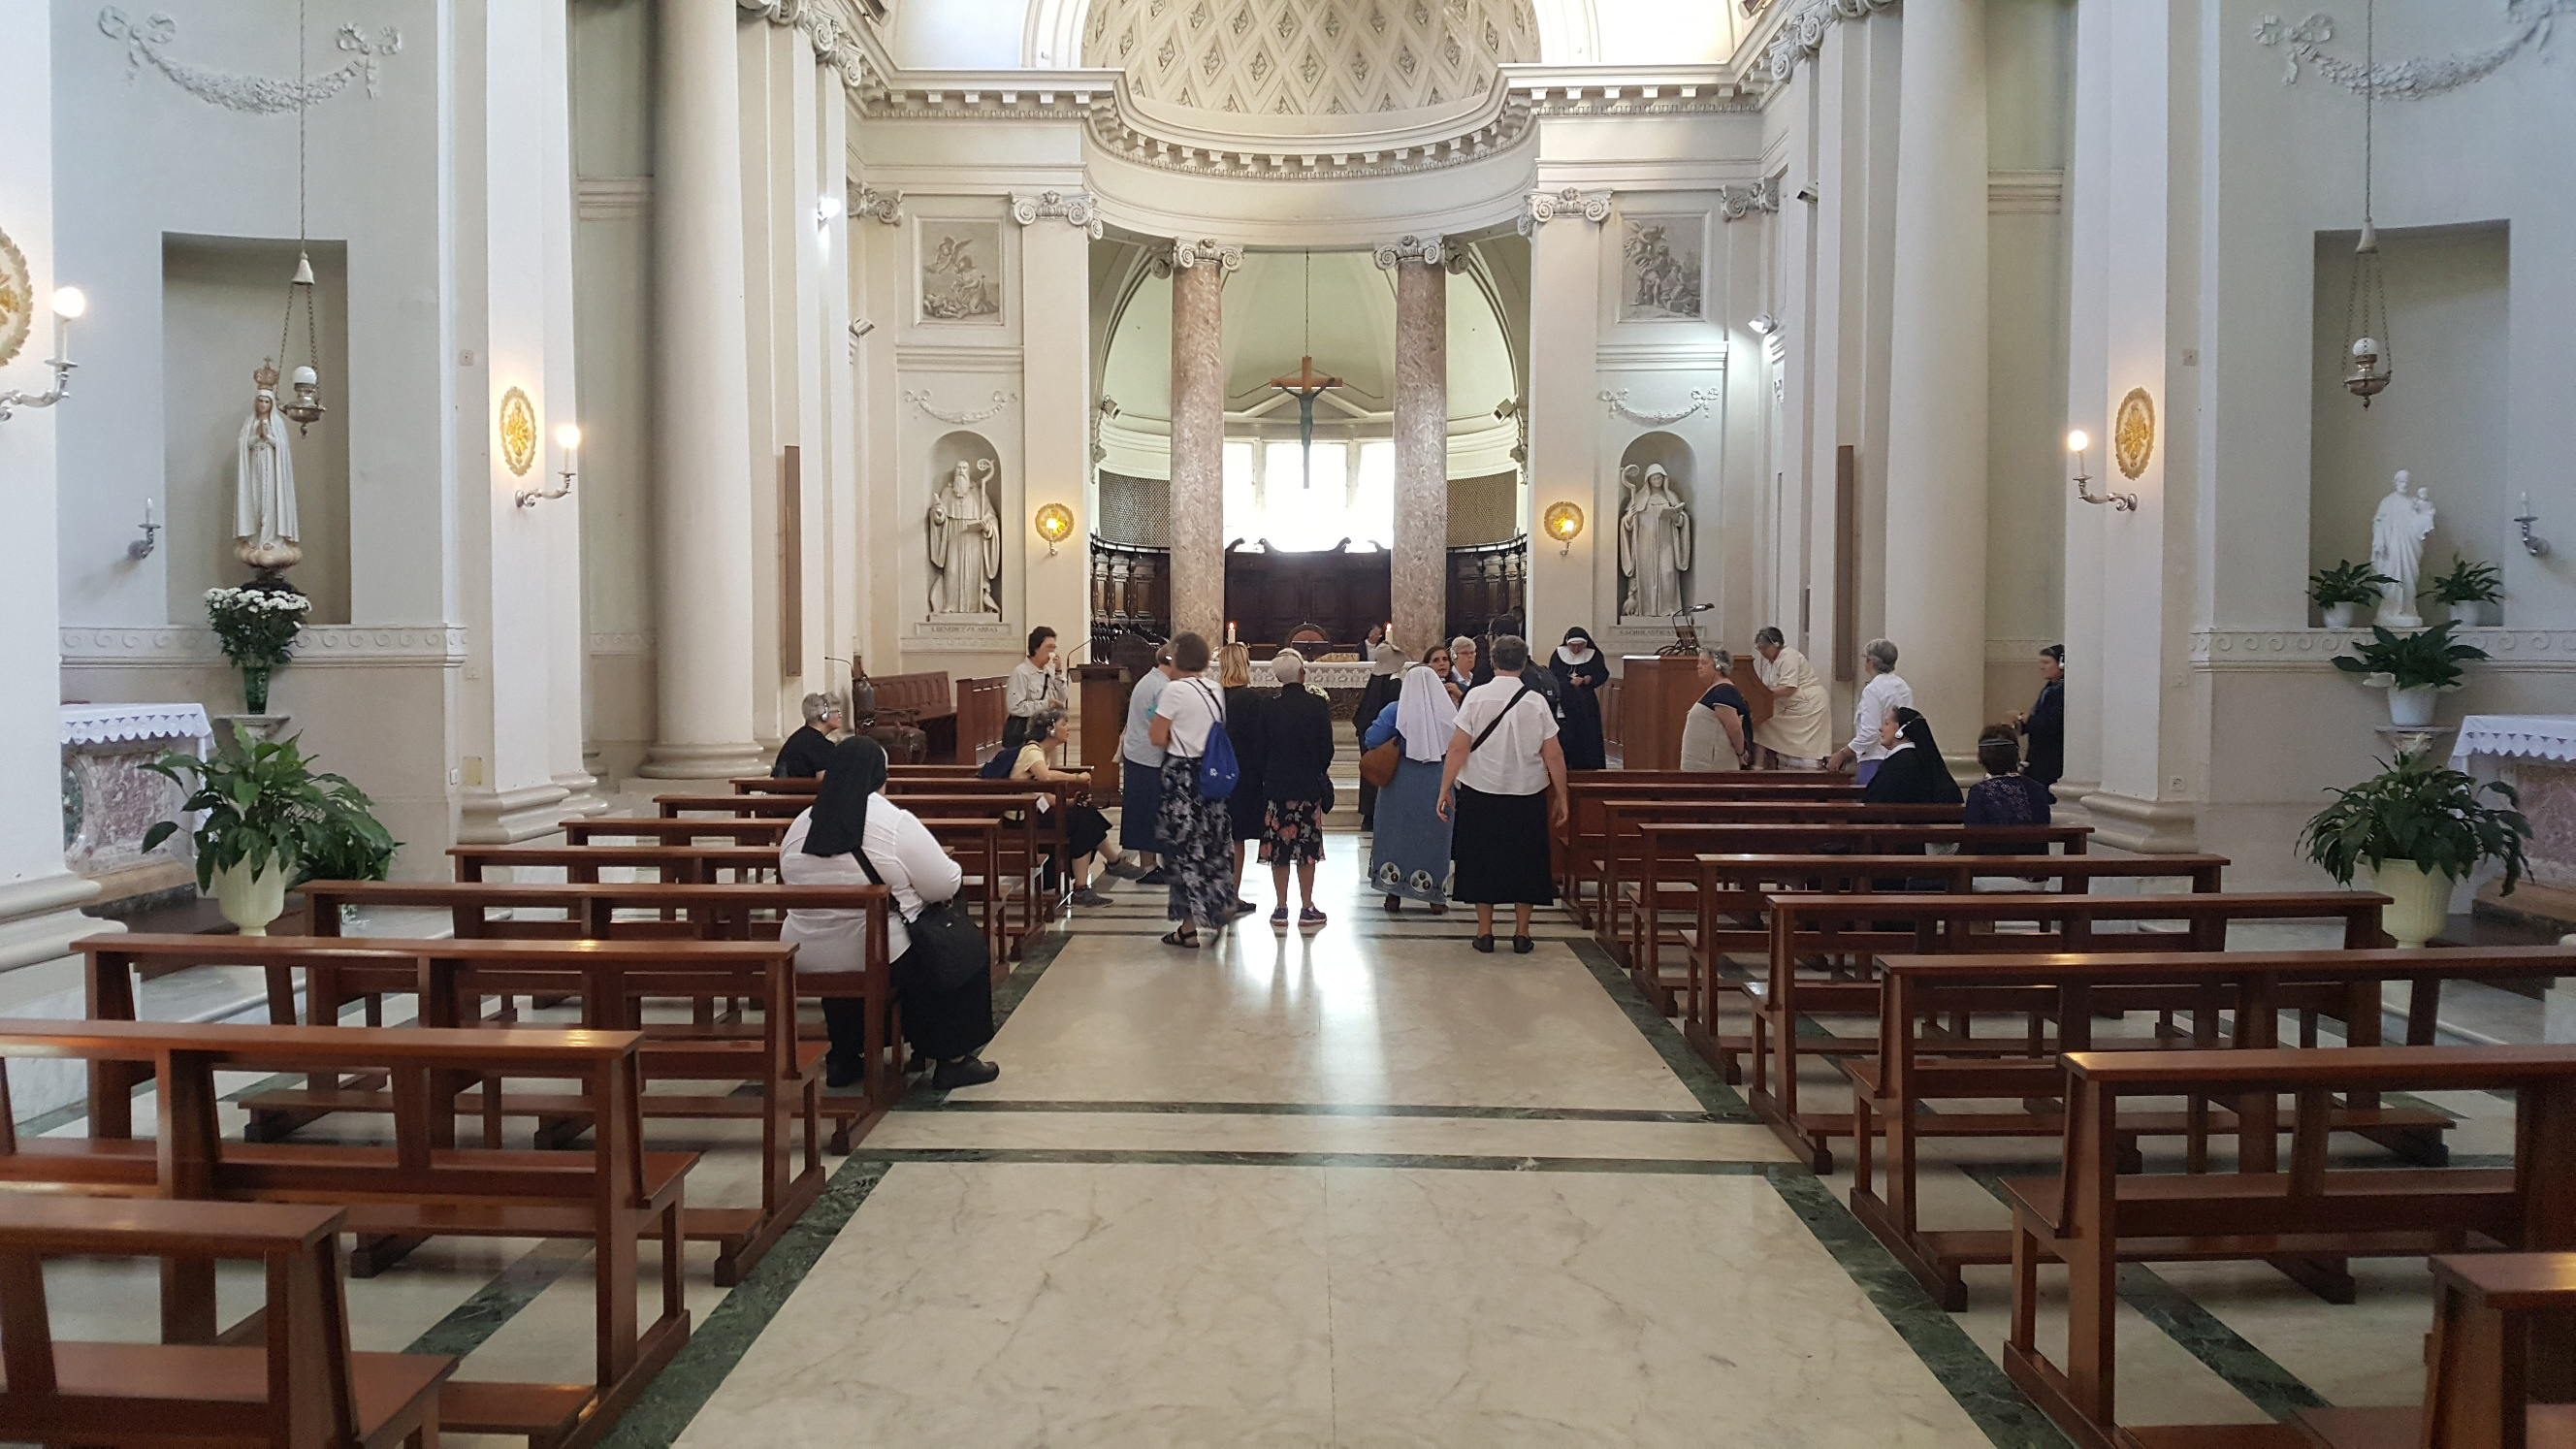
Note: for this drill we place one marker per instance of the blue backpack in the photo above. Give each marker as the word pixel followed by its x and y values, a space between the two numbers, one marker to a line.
pixel 1219 772
pixel 998 767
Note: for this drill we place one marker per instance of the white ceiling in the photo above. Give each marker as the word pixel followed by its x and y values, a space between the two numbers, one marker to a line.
pixel 1309 57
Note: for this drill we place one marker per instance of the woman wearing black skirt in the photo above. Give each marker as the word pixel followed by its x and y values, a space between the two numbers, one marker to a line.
pixel 1502 788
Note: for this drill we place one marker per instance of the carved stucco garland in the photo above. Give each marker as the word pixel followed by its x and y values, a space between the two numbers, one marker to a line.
pixel 257 95
pixel 1001 401
pixel 2528 22
pixel 1700 399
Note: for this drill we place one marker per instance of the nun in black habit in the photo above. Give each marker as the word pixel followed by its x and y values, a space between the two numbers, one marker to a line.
pixel 1580 672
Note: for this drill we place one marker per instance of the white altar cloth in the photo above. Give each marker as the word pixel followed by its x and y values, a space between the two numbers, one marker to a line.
pixel 107 724
pixel 2537 736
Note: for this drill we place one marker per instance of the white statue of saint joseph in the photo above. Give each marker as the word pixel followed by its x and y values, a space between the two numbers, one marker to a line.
pixel 2397 534
pixel 264 530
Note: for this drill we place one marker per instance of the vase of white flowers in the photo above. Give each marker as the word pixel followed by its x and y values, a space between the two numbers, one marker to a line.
pixel 256 624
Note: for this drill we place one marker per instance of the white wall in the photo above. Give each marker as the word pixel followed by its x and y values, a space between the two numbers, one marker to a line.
pixel 959 34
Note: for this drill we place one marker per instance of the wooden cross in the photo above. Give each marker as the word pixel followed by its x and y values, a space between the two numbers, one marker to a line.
pixel 1306 386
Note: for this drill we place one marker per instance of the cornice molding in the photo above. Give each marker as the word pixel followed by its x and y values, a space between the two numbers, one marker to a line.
pixel 1556 91
pixel 613 198
pixel 1801 30
pixel 2511 650
pixel 316 645
pixel 1073 208
pixel 995 95
pixel 616 643
pixel 832 26
pixel 2030 193
pixel 1186 145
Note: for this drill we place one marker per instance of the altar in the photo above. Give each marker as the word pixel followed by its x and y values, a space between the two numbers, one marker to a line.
pixel 110 800
pixel 2536 755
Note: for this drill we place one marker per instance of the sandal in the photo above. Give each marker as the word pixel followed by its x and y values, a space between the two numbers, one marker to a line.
pixel 1189 942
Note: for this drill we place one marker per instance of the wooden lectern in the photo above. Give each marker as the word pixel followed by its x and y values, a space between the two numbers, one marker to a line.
pixel 1103 699
pixel 1655 691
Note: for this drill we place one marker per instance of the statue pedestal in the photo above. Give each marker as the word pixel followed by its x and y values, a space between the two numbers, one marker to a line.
pixel 260 728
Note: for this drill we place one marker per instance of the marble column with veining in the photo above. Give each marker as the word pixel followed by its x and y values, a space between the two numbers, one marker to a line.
pixel 1198 438
pixel 703 620
pixel 1421 580
pixel 1936 401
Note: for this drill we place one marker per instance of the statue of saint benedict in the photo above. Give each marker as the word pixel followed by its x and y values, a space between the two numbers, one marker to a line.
pixel 264 493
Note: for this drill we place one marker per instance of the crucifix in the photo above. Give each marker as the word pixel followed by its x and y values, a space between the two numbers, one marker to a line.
pixel 1305 385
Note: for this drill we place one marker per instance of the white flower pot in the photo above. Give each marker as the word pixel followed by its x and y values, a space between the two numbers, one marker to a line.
pixel 2411 708
pixel 2339 616
pixel 249 901
pixel 2478 614
pixel 2420 902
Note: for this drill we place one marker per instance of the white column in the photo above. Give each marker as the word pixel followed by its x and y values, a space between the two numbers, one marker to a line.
pixel 1198 436
pixel 1936 463
pixel 567 636
pixel 1564 416
pixel 1421 403
pixel 1055 327
pixel 37 895
pixel 2088 322
pixel 703 619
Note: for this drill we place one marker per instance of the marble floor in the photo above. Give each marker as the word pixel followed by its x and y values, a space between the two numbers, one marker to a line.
pixel 1357 1187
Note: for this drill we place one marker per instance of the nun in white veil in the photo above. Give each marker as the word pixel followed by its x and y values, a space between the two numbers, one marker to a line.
pixel 264 528
pixel 1409 850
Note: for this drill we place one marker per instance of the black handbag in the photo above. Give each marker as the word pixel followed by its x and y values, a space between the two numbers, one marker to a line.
pixel 951 948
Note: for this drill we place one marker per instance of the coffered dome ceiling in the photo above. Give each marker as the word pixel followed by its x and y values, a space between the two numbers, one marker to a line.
pixel 1309 57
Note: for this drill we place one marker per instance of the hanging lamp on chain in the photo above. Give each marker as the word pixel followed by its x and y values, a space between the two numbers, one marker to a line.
pixel 2366 325
pixel 306 408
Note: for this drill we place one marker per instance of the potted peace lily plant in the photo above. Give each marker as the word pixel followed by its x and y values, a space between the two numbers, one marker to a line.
pixel 2341 590
pixel 256 624
pixel 2413 667
pixel 2472 591
pixel 2420 828
pixel 268 821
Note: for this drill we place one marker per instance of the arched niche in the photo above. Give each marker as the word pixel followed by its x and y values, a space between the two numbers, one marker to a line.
pixel 1644 453
pixel 962 446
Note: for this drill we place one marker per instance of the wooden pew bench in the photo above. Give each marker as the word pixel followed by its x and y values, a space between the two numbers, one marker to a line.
pixel 1720 910
pixel 2091 1218
pixel 604 829
pixel 1929 1003
pixel 679 864
pixel 301 1386
pixel 1648 849
pixel 649 911
pixel 422 1185
pixel 1582 845
pixel 611 981
pixel 1857 928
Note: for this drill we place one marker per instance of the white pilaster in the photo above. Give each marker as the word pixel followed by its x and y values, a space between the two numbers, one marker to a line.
pixel 704 620
pixel 38 897
pixel 1055 387
pixel 1936 481
pixel 1564 416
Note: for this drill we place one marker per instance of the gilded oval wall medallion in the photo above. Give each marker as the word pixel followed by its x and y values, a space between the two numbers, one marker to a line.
pixel 17 298
pixel 2133 433
pixel 518 432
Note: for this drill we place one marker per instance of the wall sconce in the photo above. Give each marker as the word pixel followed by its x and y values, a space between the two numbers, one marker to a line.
pixel 568 438
pixel 69 302
pixel 1055 525
pixel 1564 523
pixel 2076 443
pixel 141 548
pixel 2532 545
pixel 1764 324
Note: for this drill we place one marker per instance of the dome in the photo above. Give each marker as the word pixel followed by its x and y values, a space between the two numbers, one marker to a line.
pixel 1309 57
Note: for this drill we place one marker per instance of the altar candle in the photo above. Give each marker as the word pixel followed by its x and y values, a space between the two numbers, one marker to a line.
pixel 1229 631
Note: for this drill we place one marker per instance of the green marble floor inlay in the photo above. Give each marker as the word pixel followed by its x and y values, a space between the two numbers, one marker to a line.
pixel 470 1323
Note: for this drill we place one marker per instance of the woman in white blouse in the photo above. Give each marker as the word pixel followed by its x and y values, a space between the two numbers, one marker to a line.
pixel 822 847
pixel 1036 686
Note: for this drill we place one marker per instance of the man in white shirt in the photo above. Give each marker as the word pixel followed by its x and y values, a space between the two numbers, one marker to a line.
pixel 1881 698
pixel 1503 758
pixel 1140 778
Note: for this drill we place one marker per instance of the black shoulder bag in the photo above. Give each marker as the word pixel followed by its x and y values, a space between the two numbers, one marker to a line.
pixel 1491 725
pixel 951 946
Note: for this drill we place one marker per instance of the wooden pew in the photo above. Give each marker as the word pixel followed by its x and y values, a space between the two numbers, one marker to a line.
pixel 1926 1013
pixel 480 910
pixel 300 1388
pixel 2091 1218
pixel 919 700
pixel 1726 898
pixel 679 864
pixel 1862 926
pixel 611 980
pixel 1583 866
pixel 1575 845
pixel 2499 1358
pixel 1646 846
pixel 695 830
pixel 421 1185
